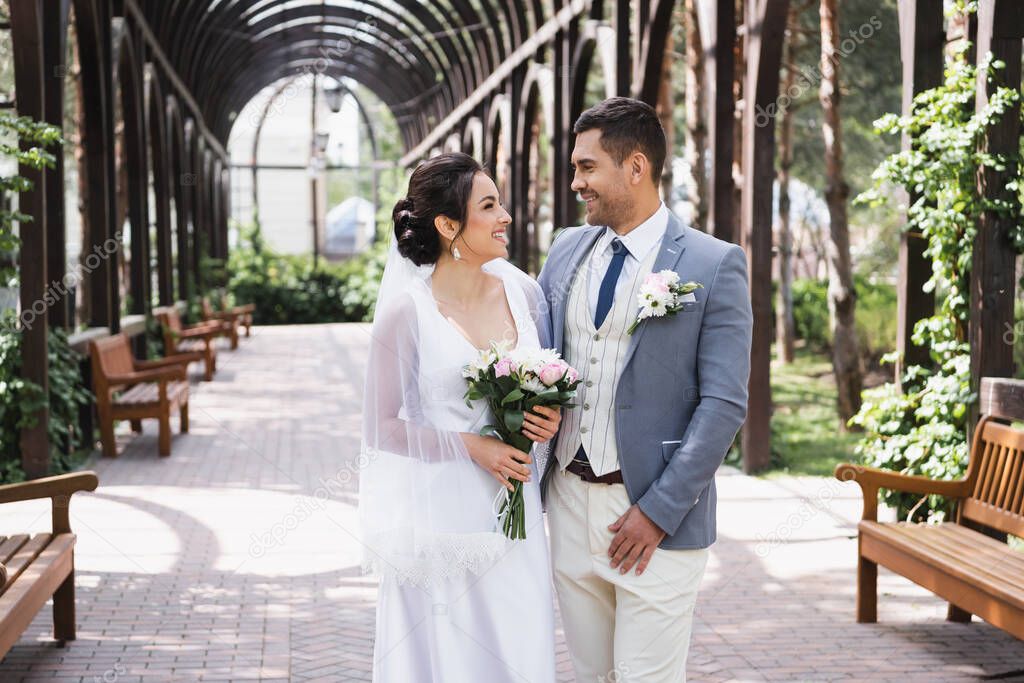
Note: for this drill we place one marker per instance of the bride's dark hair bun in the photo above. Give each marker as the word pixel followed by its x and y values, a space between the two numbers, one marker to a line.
pixel 440 186
pixel 415 242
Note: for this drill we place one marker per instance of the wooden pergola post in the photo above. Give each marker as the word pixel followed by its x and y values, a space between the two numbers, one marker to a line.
pixel 27 32
pixel 922 40
pixel 992 286
pixel 765 22
pixel 717 24
pixel 92 18
pixel 54 49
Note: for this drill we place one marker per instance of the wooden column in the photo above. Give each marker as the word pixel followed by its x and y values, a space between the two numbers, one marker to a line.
pixel 112 274
pixel 569 213
pixel 653 39
pixel 225 208
pixel 54 44
pixel 27 35
pixel 137 165
pixel 717 23
pixel 160 166
pixel 623 55
pixel 765 21
pixel 516 169
pixel 96 86
pixel 922 38
pixel 562 133
pixel 1000 30
pixel 181 180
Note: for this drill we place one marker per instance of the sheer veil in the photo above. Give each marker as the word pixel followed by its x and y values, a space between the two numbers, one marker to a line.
pixel 421 518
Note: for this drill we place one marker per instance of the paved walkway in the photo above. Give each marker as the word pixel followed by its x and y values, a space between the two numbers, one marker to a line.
pixel 234 559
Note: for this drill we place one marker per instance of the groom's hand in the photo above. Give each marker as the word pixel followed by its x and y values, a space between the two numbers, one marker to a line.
pixel 541 425
pixel 636 538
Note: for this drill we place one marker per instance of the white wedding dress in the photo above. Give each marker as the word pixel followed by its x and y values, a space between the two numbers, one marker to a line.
pixel 472 606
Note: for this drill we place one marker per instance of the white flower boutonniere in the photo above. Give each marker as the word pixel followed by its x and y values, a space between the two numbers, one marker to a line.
pixel 661 294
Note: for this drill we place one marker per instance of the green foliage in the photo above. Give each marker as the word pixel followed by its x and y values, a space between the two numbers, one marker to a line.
pixel 287 289
pixel 805 441
pixel 875 323
pixel 924 429
pixel 919 431
pixel 22 400
pixel 25 142
pixel 68 396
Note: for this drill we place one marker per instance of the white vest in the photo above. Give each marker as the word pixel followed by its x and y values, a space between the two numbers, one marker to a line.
pixel 599 356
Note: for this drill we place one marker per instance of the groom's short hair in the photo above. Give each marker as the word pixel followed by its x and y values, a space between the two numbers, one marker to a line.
pixel 627 126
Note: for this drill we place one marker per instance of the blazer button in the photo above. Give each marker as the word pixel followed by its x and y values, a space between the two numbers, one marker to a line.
pixel 583 430
pixel 593 361
pixel 586 406
pixel 597 337
pixel 590 382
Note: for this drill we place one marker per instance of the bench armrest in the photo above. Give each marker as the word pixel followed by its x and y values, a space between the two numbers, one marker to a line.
pixel 178 360
pixel 871 479
pixel 149 375
pixel 203 330
pixel 226 316
pixel 58 488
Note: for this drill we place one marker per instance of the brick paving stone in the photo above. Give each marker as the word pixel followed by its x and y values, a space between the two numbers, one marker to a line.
pixel 235 558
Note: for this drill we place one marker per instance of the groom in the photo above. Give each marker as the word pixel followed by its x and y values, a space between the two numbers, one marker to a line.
pixel 630 489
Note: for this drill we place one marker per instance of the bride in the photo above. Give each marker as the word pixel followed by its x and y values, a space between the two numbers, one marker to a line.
pixel 458 602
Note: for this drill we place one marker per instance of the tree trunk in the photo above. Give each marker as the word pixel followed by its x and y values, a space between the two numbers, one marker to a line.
pixel 846 360
pixel 696 119
pixel 665 108
pixel 739 73
pixel 784 324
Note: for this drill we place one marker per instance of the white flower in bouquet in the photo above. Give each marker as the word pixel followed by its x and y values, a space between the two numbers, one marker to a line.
pixel 533 384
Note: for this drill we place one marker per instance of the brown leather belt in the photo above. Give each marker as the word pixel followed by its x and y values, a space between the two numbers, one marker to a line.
pixel 584 472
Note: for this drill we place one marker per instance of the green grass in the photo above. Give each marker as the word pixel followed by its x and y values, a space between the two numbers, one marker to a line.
pixel 806 435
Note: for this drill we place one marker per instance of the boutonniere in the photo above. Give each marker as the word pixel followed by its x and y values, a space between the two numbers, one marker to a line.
pixel 662 294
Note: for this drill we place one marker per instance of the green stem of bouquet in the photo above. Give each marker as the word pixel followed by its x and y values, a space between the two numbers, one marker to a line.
pixel 513 509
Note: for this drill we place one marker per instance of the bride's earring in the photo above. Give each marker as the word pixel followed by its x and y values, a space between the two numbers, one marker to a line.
pixel 456 253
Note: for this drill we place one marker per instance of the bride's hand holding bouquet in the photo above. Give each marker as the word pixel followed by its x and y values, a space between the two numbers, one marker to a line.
pixel 525 389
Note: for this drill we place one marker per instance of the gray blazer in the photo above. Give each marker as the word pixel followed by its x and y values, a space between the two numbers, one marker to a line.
pixel 682 394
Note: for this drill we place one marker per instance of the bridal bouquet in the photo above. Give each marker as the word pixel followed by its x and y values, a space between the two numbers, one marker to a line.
pixel 513 382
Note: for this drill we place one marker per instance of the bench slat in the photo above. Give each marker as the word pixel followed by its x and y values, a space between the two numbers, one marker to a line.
pixel 148 392
pixel 11 545
pixel 40 580
pixel 914 540
pixel 1001 563
pixel 28 552
pixel 967 550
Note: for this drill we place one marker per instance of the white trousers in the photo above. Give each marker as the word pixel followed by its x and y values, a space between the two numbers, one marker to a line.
pixel 619 627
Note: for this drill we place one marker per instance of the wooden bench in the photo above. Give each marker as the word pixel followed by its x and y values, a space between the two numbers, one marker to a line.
pixel 228 320
pixel 192 339
pixel 243 311
pixel 966 562
pixel 40 566
pixel 131 389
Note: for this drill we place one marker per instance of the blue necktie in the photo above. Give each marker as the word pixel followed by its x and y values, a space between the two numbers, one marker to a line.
pixel 611 276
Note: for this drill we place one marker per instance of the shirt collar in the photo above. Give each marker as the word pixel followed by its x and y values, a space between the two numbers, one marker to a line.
pixel 642 238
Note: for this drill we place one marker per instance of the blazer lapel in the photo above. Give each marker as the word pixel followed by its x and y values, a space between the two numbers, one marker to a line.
pixel 671 249
pixel 588 236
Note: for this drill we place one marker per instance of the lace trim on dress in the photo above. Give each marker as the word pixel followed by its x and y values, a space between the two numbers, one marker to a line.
pixel 448 556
